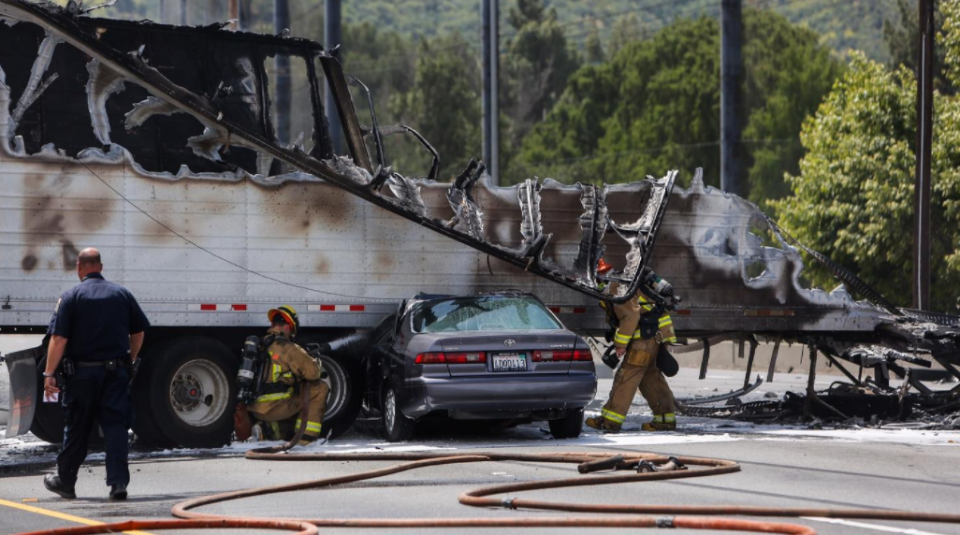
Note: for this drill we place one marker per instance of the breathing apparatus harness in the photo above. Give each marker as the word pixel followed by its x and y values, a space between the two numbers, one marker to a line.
pixel 250 377
pixel 662 299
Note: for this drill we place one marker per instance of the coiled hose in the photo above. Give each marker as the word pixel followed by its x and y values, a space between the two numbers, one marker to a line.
pixel 640 515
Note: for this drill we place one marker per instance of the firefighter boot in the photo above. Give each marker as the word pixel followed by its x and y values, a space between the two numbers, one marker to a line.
pixel 602 424
pixel 661 422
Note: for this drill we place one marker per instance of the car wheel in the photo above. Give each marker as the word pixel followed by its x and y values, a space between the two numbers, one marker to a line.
pixel 569 426
pixel 395 425
pixel 192 392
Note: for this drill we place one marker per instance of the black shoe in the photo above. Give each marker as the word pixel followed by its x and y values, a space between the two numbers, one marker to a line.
pixel 56 486
pixel 118 492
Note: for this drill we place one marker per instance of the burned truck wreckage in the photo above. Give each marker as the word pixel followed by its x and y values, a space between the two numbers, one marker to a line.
pixel 136 109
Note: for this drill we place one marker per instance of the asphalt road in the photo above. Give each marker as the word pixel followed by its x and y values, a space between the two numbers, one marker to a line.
pixel 783 472
pixel 785 466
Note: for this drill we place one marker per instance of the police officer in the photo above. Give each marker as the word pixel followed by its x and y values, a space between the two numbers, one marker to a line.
pixel 98 327
pixel 639 346
pixel 289 370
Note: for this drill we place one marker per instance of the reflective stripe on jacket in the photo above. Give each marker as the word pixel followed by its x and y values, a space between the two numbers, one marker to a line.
pixel 628 315
pixel 289 364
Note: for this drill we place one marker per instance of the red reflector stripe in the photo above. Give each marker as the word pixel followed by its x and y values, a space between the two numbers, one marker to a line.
pixel 579 310
pixel 555 310
pixel 208 307
pixel 357 308
pixel 685 312
pixel 328 308
pixel 238 307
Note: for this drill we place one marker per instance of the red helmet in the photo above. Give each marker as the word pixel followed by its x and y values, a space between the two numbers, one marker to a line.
pixel 603 266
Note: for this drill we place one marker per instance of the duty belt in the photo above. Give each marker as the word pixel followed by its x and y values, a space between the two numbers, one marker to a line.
pixel 112 363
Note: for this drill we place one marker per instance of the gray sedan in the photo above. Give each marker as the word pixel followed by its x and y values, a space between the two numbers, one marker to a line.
pixel 498 356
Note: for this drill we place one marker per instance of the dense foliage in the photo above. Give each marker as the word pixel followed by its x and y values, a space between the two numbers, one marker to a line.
pixel 655 106
pixel 843 24
pixel 853 198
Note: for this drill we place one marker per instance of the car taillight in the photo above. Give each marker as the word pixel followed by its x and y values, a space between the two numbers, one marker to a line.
pixel 582 354
pixel 476 357
pixel 430 358
pixel 466 358
pixel 562 356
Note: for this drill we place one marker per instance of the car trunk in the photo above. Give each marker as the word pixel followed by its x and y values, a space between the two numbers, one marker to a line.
pixel 509 352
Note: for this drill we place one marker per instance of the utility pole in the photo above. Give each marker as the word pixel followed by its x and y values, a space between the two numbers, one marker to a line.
pixel 731 73
pixel 281 63
pixel 331 38
pixel 234 15
pixel 490 38
pixel 921 240
pixel 183 12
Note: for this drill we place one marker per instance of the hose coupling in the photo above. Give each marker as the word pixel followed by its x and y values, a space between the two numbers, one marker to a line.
pixel 507 503
pixel 665 522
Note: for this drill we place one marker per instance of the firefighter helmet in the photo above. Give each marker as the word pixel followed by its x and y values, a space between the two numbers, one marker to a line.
pixel 289 315
pixel 603 266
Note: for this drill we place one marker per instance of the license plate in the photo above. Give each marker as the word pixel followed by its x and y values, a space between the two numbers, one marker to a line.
pixel 510 362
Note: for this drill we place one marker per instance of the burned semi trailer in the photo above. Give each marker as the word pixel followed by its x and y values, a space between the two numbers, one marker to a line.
pixel 157 144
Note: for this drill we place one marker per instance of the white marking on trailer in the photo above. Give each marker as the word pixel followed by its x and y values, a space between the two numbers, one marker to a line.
pixel 211 307
pixel 336 308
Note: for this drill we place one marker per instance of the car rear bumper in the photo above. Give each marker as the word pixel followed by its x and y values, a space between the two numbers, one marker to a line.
pixel 498 394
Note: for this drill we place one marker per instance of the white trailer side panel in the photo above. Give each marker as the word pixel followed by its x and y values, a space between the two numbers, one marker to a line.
pixel 180 245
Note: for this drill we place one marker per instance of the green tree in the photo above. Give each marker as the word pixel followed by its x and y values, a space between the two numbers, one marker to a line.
pixel 857 178
pixel 626 30
pixel 901 38
pixel 538 63
pixel 443 104
pixel 594 48
pixel 655 106
pixel 854 194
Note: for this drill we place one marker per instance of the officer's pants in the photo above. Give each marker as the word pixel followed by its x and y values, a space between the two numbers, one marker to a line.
pixel 289 408
pixel 94 394
pixel 639 369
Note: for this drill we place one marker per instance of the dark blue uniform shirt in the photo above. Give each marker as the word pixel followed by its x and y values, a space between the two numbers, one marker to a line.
pixel 97 318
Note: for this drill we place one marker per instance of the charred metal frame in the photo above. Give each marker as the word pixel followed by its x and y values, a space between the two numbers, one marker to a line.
pixel 901 331
pixel 640 235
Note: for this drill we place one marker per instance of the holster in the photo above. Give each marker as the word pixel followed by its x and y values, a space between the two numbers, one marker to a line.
pixel 65 371
pixel 649 325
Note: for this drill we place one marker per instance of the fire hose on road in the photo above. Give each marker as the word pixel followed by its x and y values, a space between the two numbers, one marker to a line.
pixel 640 516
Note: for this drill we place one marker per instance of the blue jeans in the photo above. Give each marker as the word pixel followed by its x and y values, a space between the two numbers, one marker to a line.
pixel 96 395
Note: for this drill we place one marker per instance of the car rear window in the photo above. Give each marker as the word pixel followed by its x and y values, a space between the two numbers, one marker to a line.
pixel 494 313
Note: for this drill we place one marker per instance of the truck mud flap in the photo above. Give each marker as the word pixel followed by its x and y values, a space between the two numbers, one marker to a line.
pixel 22 367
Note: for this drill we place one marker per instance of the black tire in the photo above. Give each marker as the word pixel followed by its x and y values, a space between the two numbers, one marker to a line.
pixel 394 425
pixel 342 373
pixel 191 389
pixel 145 426
pixel 569 426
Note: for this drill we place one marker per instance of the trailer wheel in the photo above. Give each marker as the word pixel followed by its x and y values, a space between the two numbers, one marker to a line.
pixel 145 426
pixel 192 392
pixel 343 376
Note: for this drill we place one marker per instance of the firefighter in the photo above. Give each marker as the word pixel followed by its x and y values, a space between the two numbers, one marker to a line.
pixel 641 326
pixel 289 370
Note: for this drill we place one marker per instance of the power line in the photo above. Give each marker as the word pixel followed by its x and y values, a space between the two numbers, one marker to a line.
pixel 213 254
pixel 651 150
